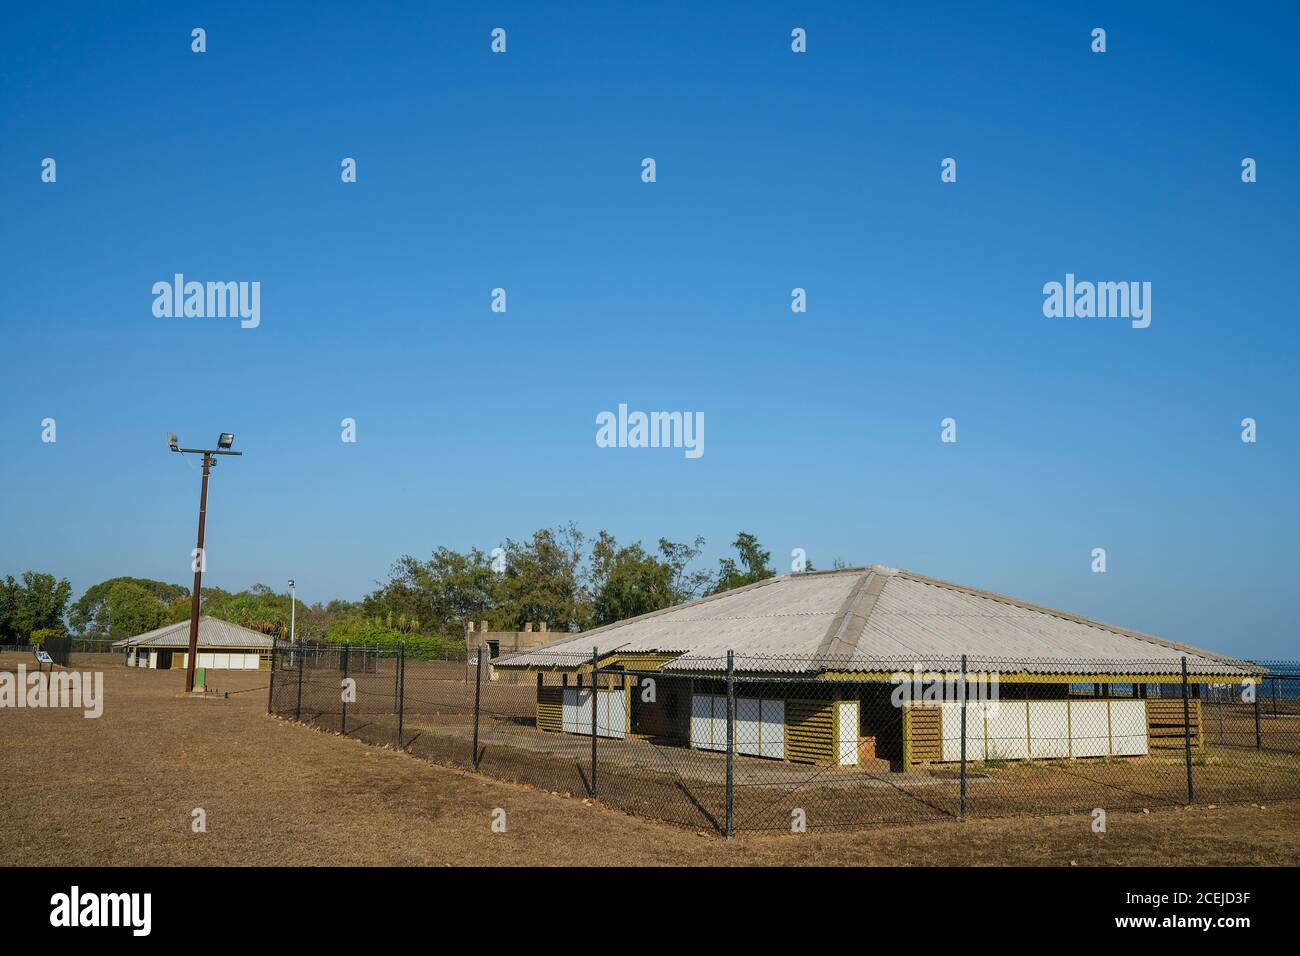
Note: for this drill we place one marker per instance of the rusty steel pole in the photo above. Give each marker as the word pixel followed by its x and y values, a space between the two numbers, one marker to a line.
pixel 208 462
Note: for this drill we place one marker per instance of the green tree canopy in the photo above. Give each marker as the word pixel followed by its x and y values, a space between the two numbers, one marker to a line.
pixel 442 592
pixel 630 581
pixel 553 577
pixel 753 565
pixel 35 602
pixel 92 613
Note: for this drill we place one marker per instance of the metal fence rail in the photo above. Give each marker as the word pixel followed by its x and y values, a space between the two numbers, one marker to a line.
pixel 731 744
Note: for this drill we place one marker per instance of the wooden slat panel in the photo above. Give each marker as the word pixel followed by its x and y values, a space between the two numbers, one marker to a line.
pixel 1165 724
pixel 550 715
pixel 809 731
pixel 926 733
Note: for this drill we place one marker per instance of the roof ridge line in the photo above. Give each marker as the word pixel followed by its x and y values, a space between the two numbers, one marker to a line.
pixel 856 607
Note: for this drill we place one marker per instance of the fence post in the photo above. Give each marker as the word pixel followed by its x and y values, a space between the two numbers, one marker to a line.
pixel 478 693
pixel 270 694
pixel 297 710
pixel 595 696
pixel 1187 733
pixel 401 690
pixel 962 693
pixel 347 652
pixel 1274 698
pixel 731 742
pixel 1259 739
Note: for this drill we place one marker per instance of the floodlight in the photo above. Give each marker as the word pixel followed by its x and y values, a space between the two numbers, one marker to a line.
pixel 173 442
pixel 226 440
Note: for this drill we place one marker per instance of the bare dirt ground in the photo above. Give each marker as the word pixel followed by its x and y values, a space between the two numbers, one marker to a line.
pixel 120 790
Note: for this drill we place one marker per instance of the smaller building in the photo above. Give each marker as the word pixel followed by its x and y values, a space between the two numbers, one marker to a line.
pixel 222 646
pixel 498 643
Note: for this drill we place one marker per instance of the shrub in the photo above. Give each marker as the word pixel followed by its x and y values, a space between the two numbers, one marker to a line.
pixel 361 632
pixel 42 634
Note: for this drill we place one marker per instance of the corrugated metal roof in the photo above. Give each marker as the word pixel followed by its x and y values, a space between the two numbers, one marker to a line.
pixel 779 616
pixel 850 619
pixel 212 633
pixel 922 616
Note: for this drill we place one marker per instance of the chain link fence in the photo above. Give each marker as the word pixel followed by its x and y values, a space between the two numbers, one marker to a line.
pixel 732 744
pixel 74 651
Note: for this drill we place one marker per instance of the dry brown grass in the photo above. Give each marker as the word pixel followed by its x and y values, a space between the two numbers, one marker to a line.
pixel 120 790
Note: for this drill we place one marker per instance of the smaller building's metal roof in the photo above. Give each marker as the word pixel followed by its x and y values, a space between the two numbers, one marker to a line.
pixel 213 632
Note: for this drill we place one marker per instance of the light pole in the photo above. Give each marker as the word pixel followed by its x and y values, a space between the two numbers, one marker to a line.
pixel 293 609
pixel 224 441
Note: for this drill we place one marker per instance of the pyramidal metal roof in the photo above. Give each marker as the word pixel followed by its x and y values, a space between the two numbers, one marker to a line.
pixel 827 620
pixel 213 632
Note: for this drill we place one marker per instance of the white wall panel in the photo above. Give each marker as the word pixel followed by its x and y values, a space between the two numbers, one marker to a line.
pixel 611 720
pixel 1128 727
pixel 951 724
pixel 847 732
pixel 749 722
pixel 1089 729
pixel 1049 729
pixel 575 710
pixel 773 729
pixel 1006 723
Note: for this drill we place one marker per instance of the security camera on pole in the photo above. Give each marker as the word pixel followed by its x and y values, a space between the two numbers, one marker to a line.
pixel 224 441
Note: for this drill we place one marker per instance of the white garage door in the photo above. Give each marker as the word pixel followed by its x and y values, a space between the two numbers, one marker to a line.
pixel 772 740
pixel 708 722
pixel 611 721
pixel 760 726
pixel 749 723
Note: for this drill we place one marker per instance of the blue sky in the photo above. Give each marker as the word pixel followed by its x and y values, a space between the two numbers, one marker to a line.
pixel 774 171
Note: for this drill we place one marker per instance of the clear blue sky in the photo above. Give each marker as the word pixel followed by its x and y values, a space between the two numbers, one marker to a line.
pixel 775 170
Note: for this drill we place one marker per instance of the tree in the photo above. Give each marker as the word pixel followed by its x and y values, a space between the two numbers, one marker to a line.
pixel 92 613
pixel 39 636
pixel 542 581
pixel 630 581
pixel 9 589
pixel 132 610
pixel 37 602
pixel 753 565
pixel 442 592
pixel 258 609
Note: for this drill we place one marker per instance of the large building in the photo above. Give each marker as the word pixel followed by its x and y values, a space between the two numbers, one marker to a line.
pixel 819 659
pixel 222 646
